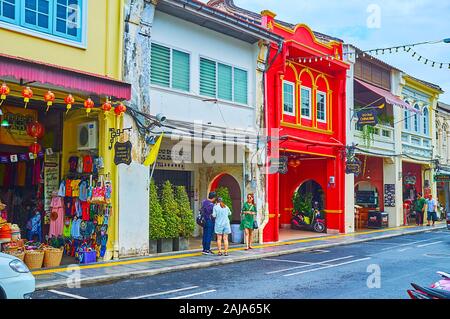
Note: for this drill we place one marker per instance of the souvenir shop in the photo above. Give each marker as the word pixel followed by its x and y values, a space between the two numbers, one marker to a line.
pixel 56 175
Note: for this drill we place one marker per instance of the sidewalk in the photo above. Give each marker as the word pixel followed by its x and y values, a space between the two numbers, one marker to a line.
pixel 163 263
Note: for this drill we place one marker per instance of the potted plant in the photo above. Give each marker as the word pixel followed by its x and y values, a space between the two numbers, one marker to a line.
pixel 157 224
pixel 368 137
pixel 186 216
pixel 170 214
pixel 302 204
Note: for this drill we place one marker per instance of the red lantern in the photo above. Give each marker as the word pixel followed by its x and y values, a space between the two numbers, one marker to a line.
pixel 69 100
pixel 27 94
pixel 35 130
pixel 88 105
pixel 35 148
pixel 106 107
pixel 4 91
pixel 49 97
pixel 120 109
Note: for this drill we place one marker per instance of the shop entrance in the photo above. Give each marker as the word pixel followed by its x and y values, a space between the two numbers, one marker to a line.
pixel 313 189
pixel 225 183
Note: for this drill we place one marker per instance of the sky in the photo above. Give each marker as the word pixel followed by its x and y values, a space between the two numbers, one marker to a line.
pixel 376 24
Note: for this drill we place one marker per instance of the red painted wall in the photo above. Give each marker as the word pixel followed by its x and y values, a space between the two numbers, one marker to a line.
pixel 416 170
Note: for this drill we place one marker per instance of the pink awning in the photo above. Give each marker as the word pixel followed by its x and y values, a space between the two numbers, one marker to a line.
pixel 70 79
pixel 388 96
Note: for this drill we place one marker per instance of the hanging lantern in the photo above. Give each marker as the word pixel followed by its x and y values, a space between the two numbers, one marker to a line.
pixel 35 148
pixel 27 94
pixel 120 109
pixel 35 130
pixel 49 97
pixel 69 100
pixel 106 107
pixel 88 105
pixel 4 91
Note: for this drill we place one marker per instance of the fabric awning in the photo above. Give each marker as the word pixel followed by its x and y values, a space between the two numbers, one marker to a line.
pixel 70 79
pixel 388 96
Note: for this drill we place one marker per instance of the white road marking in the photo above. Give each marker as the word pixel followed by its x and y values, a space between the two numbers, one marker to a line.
pixel 62 293
pixel 404 249
pixel 320 251
pixel 195 294
pixel 407 244
pixel 289 261
pixel 424 245
pixel 329 266
pixel 164 292
pixel 325 262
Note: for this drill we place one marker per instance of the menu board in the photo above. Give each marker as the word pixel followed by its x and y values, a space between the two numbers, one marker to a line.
pixel 51 181
pixel 366 197
pixel 389 195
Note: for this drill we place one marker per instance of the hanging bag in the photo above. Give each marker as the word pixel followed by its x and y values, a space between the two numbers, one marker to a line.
pixel 99 192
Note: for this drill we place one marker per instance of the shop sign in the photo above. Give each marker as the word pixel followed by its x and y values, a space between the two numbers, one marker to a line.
pixel 51 181
pixel 122 153
pixel 389 195
pixel 16 132
pixel 367 117
pixel 410 180
pixel 442 178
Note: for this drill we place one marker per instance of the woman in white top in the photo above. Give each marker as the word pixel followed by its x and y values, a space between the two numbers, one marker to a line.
pixel 222 225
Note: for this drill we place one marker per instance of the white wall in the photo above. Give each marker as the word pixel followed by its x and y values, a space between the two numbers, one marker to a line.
pixel 199 41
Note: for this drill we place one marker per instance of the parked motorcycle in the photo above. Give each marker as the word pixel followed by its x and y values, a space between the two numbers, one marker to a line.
pixel 439 290
pixel 301 221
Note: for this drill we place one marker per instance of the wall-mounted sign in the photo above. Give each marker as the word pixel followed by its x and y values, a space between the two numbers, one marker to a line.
pixel 410 180
pixel 389 195
pixel 441 178
pixel 51 180
pixel 16 132
pixel 367 117
pixel 122 153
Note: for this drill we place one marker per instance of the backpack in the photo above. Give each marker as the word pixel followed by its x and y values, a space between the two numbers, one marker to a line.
pixel 200 220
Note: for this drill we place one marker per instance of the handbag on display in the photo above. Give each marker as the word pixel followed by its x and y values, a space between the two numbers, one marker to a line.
pixel 99 192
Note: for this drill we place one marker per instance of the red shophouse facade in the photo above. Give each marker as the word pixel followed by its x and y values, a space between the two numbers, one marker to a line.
pixel 306 104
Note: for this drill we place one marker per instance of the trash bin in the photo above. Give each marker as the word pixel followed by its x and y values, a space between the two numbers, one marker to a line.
pixel 378 220
pixel 237 235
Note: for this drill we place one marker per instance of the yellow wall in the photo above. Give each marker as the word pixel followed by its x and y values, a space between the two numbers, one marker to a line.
pixel 102 54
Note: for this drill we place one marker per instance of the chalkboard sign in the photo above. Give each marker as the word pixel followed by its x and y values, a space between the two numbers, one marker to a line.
pixel 366 197
pixel 122 153
pixel 389 195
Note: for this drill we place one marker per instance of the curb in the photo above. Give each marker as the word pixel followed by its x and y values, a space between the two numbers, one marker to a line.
pixel 199 265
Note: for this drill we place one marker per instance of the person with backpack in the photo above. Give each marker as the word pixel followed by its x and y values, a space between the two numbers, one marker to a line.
pixel 208 222
pixel 222 226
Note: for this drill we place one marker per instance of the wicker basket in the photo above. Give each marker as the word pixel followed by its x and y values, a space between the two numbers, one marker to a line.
pixel 16 253
pixel 34 258
pixel 52 257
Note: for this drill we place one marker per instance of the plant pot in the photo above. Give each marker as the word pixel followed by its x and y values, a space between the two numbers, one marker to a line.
pixel 165 245
pixel 180 243
pixel 153 246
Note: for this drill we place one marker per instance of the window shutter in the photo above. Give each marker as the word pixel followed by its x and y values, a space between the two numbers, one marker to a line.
pixel 225 83
pixel 207 77
pixel 240 86
pixel 160 65
pixel 180 70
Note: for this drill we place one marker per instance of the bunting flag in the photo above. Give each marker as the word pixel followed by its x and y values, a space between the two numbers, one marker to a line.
pixel 153 155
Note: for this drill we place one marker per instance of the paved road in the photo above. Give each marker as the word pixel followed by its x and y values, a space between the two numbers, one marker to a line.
pixel 340 272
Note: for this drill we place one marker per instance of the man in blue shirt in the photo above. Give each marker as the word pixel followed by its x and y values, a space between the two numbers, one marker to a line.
pixel 431 210
pixel 208 228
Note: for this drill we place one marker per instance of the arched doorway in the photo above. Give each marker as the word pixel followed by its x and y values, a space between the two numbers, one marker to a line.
pixel 228 181
pixel 318 195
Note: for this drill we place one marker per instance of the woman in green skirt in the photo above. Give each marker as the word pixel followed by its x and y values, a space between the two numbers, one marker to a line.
pixel 248 218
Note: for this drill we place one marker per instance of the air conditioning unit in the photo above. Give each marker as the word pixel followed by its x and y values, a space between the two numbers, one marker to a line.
pixel 87 136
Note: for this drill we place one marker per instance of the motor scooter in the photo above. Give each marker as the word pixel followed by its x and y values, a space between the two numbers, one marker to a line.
pixel 301 221
pixel 439 290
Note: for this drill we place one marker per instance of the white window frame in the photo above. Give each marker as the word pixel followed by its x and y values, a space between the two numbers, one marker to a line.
pixel 422 127
pixel 406 119
pixel 293 98
pixel 324 107
pixel 171 48
pixel 417 117
pixel 310 102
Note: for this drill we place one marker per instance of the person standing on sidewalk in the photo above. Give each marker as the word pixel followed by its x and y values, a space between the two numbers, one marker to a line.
pixel 208 228
pixel 248 219
pixel 431 210
pixel 222 226
pixel 419 208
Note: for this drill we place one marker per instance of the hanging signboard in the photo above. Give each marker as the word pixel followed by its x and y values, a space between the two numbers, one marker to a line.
pixel 389 195
pixel 353 166
pixel 122 153
pixel 410 180
pixel 367 117
pixel 16 132
pixel 441 178
pixel 51 181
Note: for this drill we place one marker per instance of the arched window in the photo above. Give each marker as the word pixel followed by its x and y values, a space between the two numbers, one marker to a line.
pixel 426 121
pixel 416 119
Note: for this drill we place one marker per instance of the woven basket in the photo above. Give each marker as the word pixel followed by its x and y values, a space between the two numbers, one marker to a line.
pixel 16 253
pixel 52 257
pixel 34 258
